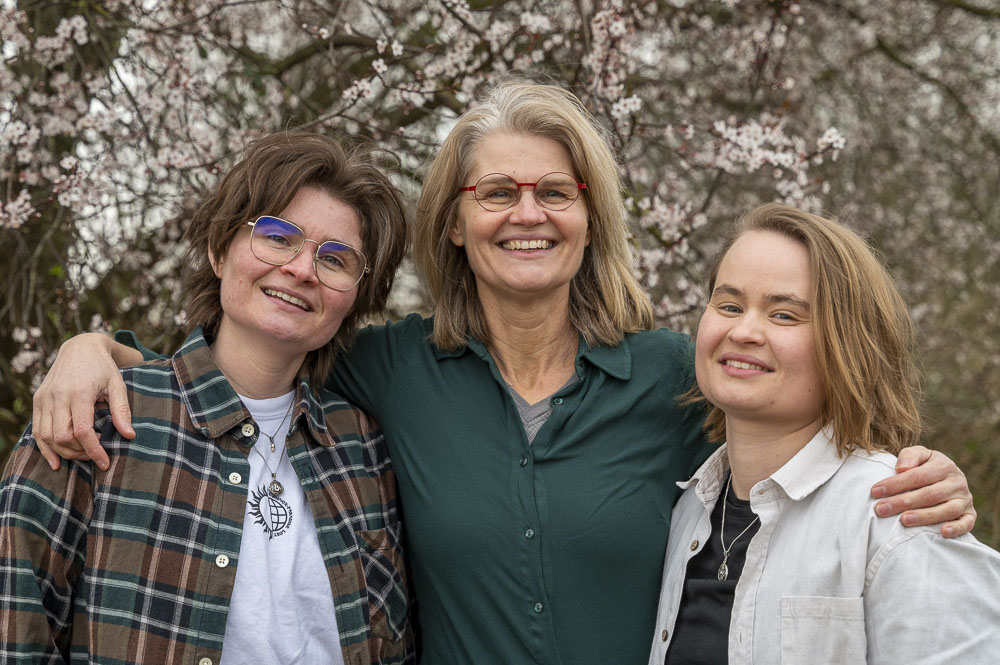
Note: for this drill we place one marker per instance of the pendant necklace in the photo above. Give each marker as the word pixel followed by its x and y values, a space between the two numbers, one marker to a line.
pixel 275 488
pixel 270 437
pixel 724 569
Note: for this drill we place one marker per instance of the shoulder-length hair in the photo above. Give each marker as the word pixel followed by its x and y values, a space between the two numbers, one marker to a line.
pixel 605 300
pixel 263 182
pixel 863 333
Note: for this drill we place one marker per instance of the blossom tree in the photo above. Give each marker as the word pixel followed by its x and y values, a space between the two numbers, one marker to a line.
pixel 115 116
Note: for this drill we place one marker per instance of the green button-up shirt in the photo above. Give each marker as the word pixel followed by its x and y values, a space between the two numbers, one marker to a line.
pixel 543 553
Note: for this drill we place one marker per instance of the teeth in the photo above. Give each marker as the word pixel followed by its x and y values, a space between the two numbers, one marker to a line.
pixel 526 244
pixel 742 365
pixel 287 298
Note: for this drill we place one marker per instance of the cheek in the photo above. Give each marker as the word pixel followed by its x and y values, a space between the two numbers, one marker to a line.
pixel 705 343
pixel 338 306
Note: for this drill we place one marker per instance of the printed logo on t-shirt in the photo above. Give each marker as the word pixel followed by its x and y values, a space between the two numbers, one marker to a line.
pixel 272 512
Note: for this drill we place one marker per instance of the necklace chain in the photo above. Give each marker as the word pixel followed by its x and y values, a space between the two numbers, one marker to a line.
pixel 275 487
pixel 270 437
pixel 723 568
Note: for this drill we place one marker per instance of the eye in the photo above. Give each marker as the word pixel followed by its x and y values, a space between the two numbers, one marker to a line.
pixel 331 261
pixel 729 308
pixel 788 318
pixel 278 239
pixel 493 192
pixel 550 195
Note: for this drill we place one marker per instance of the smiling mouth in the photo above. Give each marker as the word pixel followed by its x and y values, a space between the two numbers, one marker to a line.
pixel 739 364
pixel 526 245
pixel 298 302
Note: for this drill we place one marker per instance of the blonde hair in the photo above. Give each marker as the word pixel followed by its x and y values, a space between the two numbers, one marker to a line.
pixel 863 333
pixel 606 300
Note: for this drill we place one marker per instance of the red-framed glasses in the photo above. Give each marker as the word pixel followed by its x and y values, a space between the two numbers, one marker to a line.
pixel 499 191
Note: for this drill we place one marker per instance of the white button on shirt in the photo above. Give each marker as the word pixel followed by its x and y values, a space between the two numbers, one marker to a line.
pixel 826 581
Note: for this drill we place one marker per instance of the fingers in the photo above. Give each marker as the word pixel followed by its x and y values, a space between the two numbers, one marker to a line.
pixel 912 457
pixel 951 515
pixel 41 430
pixel 121 414
pixel 934 467
pixel 928 494
pixel 960 526
pixel 83 434
pixel 63 407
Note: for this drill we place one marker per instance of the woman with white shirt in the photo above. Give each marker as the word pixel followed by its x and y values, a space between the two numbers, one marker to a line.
pixel 775 555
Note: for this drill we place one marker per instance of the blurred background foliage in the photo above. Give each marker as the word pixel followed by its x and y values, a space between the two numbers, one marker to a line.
pixel 116 115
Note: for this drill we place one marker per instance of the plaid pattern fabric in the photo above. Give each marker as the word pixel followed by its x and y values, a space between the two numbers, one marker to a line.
pixel 136 564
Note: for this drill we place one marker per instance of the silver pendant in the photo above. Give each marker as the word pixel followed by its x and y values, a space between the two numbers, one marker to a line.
pixel 723 571
pixel 274 487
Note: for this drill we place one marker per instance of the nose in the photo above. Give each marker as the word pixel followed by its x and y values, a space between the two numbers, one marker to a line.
pixel 526 209
pixel 747 329
pixel 303 267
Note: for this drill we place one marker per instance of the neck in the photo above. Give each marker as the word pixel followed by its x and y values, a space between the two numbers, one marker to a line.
pixel 533 344
pixel 256 370
pixel 757 450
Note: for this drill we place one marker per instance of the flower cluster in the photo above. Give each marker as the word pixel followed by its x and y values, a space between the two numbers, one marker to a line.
pixel 113 122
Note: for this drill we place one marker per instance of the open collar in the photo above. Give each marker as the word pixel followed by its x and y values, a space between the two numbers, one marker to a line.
pixel 212 403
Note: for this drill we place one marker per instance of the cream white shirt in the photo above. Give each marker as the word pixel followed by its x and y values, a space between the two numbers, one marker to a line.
pixel 827 581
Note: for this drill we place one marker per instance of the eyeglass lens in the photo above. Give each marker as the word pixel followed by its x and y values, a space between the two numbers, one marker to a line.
pixel 555 191
pixel 277 242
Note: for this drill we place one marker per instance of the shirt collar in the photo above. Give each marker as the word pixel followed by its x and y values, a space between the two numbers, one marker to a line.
pixel 799 477
pixel 214 406
pixel 613 360
pixel 811 467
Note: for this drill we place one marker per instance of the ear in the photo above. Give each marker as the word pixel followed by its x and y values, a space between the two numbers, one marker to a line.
pixel 216 263
pixel 456 235
pixel 586 242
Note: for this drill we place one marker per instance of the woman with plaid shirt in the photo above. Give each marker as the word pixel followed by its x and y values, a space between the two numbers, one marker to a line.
pixel 205 539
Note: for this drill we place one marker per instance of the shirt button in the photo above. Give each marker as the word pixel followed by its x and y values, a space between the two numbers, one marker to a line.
pixel 523 461
pixel 235 478
pixel 205 661
pixel 694 545
pixel 557 401
pixel 538 607
pixel 222 561
pixel 248 430
pixel 665 634
pixel 529 534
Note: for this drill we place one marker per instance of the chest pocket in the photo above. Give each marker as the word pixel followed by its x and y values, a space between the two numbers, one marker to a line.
pixel 816 629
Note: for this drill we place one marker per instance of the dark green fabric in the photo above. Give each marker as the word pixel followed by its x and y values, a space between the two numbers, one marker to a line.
pixel 595 489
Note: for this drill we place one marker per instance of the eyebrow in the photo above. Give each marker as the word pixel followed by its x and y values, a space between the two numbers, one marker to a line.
pixel 771 298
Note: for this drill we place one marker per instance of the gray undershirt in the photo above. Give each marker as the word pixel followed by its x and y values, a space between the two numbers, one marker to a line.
pixel 533 416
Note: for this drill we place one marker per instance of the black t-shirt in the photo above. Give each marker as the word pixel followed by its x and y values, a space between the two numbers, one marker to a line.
pixel 701 632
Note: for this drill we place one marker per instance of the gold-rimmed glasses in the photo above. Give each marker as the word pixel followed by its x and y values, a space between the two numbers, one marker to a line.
pixel 277 242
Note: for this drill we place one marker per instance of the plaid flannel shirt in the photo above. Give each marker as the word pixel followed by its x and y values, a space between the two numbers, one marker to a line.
pixel 137 563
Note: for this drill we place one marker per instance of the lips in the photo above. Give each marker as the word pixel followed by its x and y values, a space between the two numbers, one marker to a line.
pixel 289 298
pixel 738 364
pixel 527 245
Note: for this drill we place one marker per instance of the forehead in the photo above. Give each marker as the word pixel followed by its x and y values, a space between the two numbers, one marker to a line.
pixel 523 156
pixel 769 261
pixel 322 216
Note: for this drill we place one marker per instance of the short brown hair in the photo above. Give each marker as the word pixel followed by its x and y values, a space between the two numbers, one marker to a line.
pixel 864 334
pixel 606 300
pixel 264 181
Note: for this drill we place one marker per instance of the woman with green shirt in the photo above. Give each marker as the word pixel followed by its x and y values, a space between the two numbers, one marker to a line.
pixel 532 420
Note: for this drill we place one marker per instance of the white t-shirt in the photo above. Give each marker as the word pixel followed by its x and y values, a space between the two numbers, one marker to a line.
pixel 282 605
